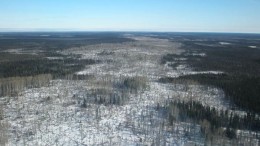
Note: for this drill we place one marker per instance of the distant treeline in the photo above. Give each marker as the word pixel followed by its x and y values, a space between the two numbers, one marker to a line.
pixel 52 41
pixel 233 59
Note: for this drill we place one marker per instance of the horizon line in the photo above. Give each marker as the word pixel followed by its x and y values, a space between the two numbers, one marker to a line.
pixel 47 30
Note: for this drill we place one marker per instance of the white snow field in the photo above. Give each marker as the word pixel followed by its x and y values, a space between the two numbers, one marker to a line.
pixel 53 115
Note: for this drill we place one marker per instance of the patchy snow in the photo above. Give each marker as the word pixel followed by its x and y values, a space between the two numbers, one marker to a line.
pixel 55 58
pixel 224 43
pixel 196 54
pixel 252 47
pixel 52 115
pixel 36 120
pixel 23 51
pixel 199 54
pixel 205 72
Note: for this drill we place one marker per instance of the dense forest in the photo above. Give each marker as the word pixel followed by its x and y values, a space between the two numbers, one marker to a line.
pixel 240 66
pixel 58 68
pixel 26 59
pixel 214 123
pixel 237 69
pixel 244 91
pixel 52 41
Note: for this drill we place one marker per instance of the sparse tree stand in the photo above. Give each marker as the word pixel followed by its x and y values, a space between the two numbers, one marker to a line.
pixel 3 128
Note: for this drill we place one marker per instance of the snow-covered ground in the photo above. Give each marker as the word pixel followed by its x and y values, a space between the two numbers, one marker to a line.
pixel 52 115
pixel 252 47
pixel 224 43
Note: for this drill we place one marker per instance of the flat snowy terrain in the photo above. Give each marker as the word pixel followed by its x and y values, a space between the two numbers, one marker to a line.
pixel 53 114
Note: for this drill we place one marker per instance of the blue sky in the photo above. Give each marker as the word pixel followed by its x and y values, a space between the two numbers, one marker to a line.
pixel 131 15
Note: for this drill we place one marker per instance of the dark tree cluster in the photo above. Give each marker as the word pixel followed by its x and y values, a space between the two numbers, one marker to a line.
pixel 58 68
pixel 133 84
pixel 216 119
pixel 117 93
pixel 105 97
pixel 244 91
